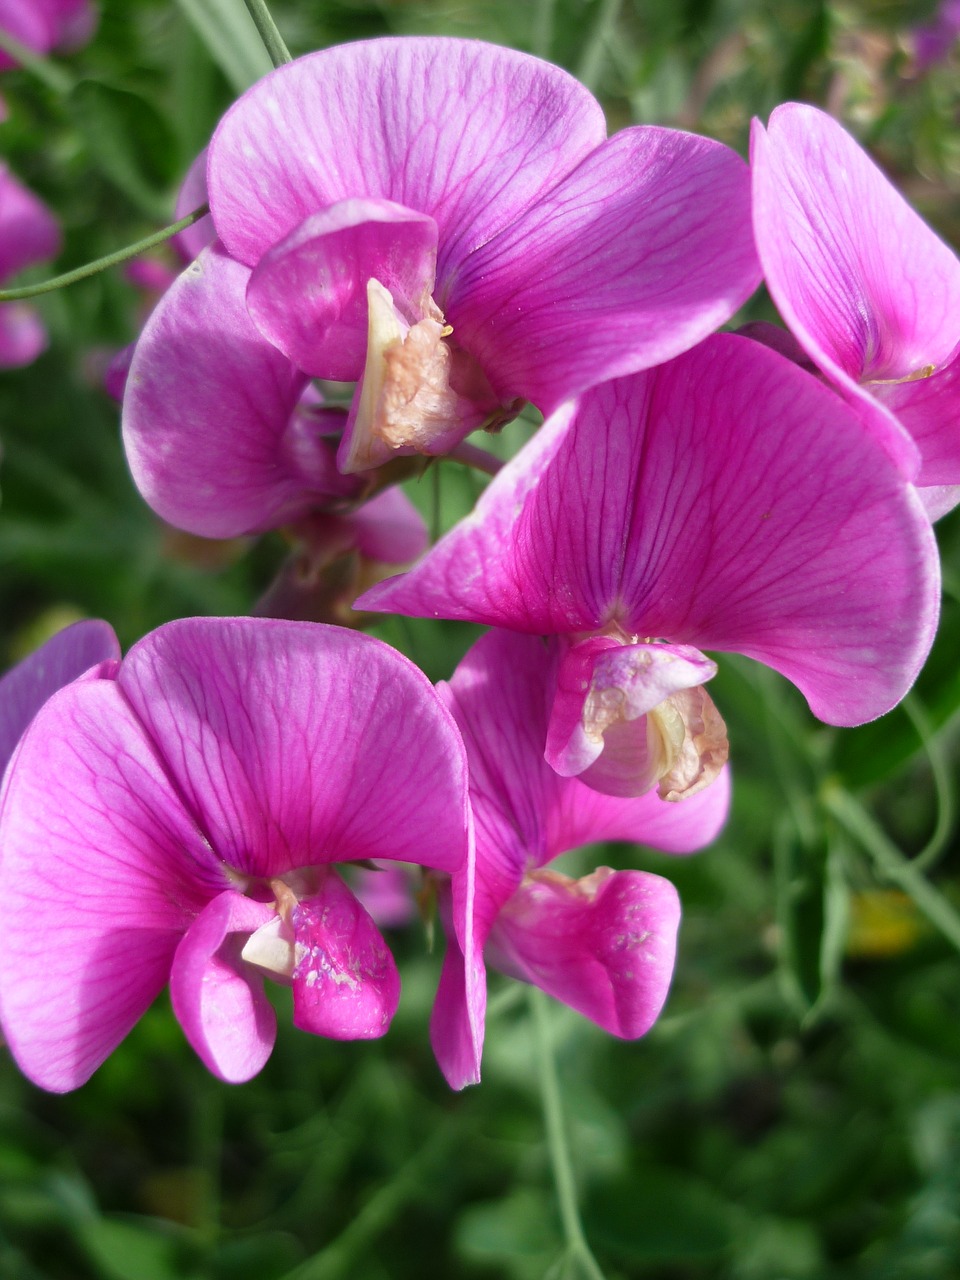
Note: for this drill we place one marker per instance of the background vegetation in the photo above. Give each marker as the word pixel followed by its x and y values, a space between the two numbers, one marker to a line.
pixel 795 1115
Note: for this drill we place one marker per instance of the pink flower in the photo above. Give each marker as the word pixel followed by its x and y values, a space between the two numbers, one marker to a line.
pixel 933 40
pixel 603 944
pixel 724 501
pixel 869 291
pixel 178 819
pixel 28 234
pixel 447 223
pixel 44 25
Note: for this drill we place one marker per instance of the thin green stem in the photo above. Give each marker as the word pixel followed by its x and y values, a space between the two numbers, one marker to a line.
pixel 891 862
pixel 946 809
pixel 273 41
pixel 51 76
pixel 577 1248
pixel 103 264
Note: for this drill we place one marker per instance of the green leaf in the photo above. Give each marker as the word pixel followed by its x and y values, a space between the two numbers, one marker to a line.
pixel 121 1248
pixel 514 1233
pixel 812 905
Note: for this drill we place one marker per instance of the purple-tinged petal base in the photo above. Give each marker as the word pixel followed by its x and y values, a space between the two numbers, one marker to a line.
pixel 605 944
pixel 27 686
pixel 219 999
pixel 345 982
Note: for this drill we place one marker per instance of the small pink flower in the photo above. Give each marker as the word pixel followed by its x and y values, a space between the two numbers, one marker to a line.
pixel 603 944
pixel 869 291
pixel 933 40
pixel 179 820
pixel 45 25
pixel 28 234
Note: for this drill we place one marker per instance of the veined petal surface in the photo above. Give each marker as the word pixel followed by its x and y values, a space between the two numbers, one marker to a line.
pixel 308 294
pixel 103 870
pixel 208 401
pixel 635 257
pixel 725 500
pixel 298 744
pixel 468 133
pixel 870 291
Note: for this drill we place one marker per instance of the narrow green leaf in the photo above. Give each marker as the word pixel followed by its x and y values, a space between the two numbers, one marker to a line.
pixel 231 36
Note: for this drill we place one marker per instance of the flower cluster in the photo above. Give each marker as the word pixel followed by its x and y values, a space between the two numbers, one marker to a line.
pixel 445 226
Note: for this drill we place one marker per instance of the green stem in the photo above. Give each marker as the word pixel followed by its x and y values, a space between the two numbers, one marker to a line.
pixel 51 76
pixel 273 41
pixel 891 862
pixel 940 772
pixel 577 1248
pixel 102 264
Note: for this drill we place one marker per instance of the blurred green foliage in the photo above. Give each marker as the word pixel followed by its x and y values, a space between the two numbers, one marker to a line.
pixel 795 1115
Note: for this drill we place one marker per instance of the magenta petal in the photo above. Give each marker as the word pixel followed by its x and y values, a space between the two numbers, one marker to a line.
pixel 389 528
pixel 636 256
pixel 858 276
pixel 219 999
pixel 30 23
pixel 525 815
pixel 726 500
pixel 345 982
pixel 929 408
pixel 465 132
pixel 481 569
pixel 456 1029
pixel 207 405
pixel 27 686
pixel 387 893
pixel 29 232
pixel 604 945
pixel 22 335
pixel 103 870
pixel 298 744
pixel 193 194
pixel 638 676
pixel 75 21
pixel 308 294
pixel 869 290
pixel 459 1010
